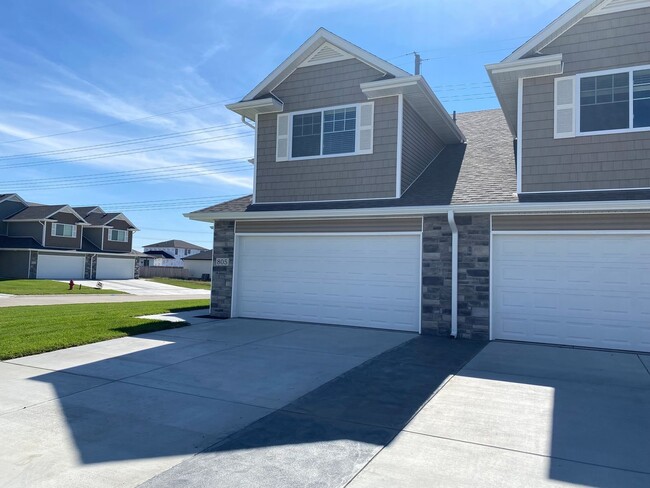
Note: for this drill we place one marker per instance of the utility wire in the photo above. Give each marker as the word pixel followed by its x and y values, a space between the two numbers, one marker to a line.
pixel 128 152
pixel 217 162
pixel 123 143
pixel 122 122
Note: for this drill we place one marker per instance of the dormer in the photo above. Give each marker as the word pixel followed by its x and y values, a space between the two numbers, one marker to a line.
pixel 334 122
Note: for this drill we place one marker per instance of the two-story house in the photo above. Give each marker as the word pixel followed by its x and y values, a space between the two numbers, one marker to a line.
pixel 170 253
pixel 63 242
pixel 373 207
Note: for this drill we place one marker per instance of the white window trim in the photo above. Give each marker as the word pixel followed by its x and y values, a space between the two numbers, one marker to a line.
pixel 74 230
pixel 630 70
pixel 356 152
pixel 126 235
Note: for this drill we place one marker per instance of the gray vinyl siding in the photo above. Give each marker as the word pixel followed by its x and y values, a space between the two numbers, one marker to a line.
pixel 612 221
pixel 420 145
pixel 26 229
pixel 118 246
pixel 63 242
pixel 7 209
pixel 14 264
pixel 334 178
pixel 595 162
pixel 335 225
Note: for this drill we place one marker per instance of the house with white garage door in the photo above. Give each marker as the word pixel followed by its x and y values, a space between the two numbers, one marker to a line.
pixel 374 207
pixel 63 242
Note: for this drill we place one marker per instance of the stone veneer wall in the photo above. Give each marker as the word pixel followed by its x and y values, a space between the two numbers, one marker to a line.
pixel 436 276
pixel 224 247
pixel 473 276
pixel 33 265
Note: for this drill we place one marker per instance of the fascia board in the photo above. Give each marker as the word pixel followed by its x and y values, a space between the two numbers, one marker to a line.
pixel 618 206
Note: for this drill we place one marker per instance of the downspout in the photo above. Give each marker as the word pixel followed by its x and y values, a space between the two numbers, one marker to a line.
pixel 243 119
pixel 454 273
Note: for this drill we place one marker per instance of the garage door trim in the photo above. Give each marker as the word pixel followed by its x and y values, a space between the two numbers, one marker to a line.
pixel 545 233
pixel 233 301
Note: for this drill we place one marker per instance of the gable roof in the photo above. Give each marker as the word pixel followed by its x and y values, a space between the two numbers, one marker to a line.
pixel 308 48
pixel 177 243
pixel 200 256
pixel 98 219
pixel 11 196
pixel 482 171
pixel 83 211
pixel 42 212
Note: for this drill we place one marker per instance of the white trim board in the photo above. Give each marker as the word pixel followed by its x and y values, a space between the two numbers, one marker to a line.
pixel 290 64
pixel 498 208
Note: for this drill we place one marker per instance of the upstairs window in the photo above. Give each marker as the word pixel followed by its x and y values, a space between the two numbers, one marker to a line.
pixel 328 132
pixel 118 235
pixel 64 230
pixel 607 102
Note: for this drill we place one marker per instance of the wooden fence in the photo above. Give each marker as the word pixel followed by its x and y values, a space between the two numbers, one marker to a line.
pixel 163 272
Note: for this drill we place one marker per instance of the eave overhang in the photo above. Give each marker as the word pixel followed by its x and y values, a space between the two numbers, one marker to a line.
pixel 252 108
pixel 418 94
pixel 505 78
pixel 491 208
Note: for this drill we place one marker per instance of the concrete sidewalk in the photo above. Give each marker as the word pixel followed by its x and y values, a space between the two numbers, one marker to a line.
pixel 31 300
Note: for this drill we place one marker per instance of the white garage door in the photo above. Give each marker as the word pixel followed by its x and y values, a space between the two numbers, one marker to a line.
pixel 368 281
pixel 585 290
pixel 59 267
pixel 115 268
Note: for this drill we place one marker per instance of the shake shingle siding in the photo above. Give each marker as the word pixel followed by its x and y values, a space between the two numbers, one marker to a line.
pixel 420 145
pixel 595 162
pixel 337 178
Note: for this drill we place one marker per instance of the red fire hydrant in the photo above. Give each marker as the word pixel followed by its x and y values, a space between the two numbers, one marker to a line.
pixel 71 284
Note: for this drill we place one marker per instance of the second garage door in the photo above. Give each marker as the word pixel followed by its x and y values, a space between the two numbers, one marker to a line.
pixel 361 280
pixel 115 268
pixel 584 290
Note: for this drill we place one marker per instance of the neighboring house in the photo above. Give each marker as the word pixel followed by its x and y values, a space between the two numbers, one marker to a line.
pixel 199 265
pixel 64 242
pixel 373 207
pixel 171 253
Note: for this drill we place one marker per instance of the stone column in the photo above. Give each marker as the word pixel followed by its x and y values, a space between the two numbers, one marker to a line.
pixel 224 251
pixel 436 276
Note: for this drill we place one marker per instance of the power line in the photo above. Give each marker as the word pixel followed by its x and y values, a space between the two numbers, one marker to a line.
pixel 122 122
pixel 122 143
pixel 208 197
pixel 238 135
pixel 121 173
pixel 123 181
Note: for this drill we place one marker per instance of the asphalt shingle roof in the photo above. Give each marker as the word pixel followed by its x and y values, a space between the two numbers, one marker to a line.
pixel 19 243
pixel 159 254
pixel 95 218
pixel 176 243
pixel 200 256
pixel 36 212
pixel 480 171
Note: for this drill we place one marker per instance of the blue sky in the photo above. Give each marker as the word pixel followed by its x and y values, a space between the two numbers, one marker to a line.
pixel 70 66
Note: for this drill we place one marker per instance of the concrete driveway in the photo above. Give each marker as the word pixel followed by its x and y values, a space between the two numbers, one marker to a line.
pixel 144 287
pixel 117 413
pixel 243 403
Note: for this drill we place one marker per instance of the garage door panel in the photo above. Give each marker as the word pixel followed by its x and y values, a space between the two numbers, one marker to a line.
pixel 586 290
pixel 61 267
pixel 114 268
pixel 371 281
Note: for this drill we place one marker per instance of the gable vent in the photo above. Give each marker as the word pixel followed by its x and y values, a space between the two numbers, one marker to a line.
pixel 327 53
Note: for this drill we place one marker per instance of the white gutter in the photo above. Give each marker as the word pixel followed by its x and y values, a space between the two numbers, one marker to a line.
pixel 495 208
pixel 454 273
pixel 243 119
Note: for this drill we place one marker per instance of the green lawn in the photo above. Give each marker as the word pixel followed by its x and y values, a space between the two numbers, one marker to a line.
pixel 46 287
pixel 195 284
pixel 30 330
